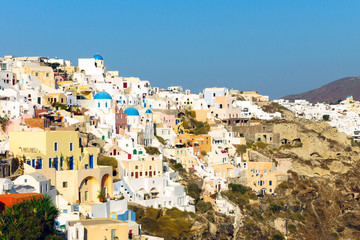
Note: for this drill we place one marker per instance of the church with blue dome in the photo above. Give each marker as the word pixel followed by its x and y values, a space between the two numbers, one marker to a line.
pixel 98 57
pixel 102 95
pixel 132 111
pixel 103 101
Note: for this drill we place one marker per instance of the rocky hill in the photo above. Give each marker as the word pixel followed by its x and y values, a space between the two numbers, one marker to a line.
pixel 321 198
pixel 331 92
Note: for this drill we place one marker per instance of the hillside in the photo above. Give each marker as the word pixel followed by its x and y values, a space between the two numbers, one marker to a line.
pixel 321 198
pixel 331 92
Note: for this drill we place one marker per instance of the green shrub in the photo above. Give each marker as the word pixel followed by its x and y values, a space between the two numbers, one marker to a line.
pixel 275 207
pixel 238 188
pixel 202 206
pixel 108 161
pixel 160 139
pixel 193 190
pixel 241 149
pixel 278 236
pixel 152 150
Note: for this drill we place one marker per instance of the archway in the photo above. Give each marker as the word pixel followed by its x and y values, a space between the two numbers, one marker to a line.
pixel 88 190
pixel 106 185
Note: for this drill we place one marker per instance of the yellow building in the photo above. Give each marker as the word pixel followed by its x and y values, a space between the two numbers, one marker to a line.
pixel 144 168
pixel 187 160
pixel 44 73
pixel 77 90
pixel 261 176
pixel 54 98
pixel 72 169
pixel 225 170
pixel 97 229
pixel 52 149
pixel 178 127
pixel 202 142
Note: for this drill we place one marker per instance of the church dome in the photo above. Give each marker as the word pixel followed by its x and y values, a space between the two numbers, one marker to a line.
pixel 148 111
pixel 98 57
pixel 131 111
pixel 102 96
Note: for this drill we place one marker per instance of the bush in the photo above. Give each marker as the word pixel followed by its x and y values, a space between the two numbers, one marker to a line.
pixel 193 191
pixel 161 140
pixel 326 117
pixel 108 161
pixel 261 145
pixel 278 236
pixel 249 144
pixel 238 188
pixel 241 149
pixel 275 207
pixel 152 150
pixel 29 219
pixel 203 207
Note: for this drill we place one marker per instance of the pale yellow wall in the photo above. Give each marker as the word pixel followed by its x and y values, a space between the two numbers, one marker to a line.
pixel 143 166
pixel 43 73
pixel 254 177
pixel 222 170
pixel 187 160
pixel 201 115
pixel 41 144
pixel 100 231
pixel 55 97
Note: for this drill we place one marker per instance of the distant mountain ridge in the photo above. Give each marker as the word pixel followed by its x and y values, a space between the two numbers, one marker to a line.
pixel 331 92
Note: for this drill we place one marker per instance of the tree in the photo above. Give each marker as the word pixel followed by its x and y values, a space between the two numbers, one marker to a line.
pixel 30 219
pixel 326 117
pixel 241 149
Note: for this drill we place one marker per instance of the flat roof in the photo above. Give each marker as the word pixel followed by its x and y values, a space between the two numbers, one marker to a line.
pixel 97 221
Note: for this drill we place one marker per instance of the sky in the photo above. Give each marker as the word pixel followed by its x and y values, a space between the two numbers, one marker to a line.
pixel 275 47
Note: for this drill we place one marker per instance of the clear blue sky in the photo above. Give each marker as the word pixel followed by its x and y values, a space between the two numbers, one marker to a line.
pixel 275 47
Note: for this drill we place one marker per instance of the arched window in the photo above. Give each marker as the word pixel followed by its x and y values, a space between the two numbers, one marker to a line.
pixel 134 152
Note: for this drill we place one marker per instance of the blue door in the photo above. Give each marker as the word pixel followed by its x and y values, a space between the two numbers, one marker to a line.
pixel 33 163
pixel 91 161
pixel 40 163
pixel 56 164
pixel 28 162
pixel 71 163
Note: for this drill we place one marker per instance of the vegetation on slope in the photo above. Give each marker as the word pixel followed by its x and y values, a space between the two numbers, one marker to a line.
pixel 30 219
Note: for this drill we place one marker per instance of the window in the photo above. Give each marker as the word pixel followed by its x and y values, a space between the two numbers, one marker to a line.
pixel 65 184
pixel 98 105
pixel 270 183
pixel 25 180
pixel 50 163
pixel 136 167
pixel 47 74
pixel 36 74
pixel 71 147
pixel 55 146
pixel 106 104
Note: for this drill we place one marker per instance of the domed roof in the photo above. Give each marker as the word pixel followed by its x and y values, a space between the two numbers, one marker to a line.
pixel 102 95
pixel 131 111
pixel 98 57
pixel 148 111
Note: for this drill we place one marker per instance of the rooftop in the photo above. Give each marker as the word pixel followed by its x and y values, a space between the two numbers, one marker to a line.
pixel 97 221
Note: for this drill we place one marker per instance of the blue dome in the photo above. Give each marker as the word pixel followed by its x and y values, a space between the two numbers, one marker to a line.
pixel 102 95
pixel 131 112
pixel 98 57
pixel 148 111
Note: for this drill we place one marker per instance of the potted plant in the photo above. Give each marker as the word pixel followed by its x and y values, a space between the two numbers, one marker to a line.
pixel 101 196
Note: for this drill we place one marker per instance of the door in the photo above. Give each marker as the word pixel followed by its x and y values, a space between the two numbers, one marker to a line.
pixel 150 173
pixel 56 164
pixel 91 161
pixel 136 175
pixel 71 163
